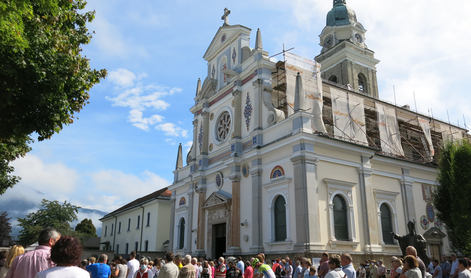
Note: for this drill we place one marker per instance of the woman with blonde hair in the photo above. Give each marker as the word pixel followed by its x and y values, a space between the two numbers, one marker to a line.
pixel 14 252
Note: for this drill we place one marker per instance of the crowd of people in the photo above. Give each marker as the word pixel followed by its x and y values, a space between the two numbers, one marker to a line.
pixel 59 257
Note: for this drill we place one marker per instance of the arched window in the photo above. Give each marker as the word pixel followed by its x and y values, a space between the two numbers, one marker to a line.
pixel 280 219
pixel 333 78
pixel 386 224
pixel 362 83
pixel 340 218
pixel 181 238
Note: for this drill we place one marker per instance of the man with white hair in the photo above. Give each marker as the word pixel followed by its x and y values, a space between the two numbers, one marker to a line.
pixel 410 250
pixel 188 270
pixel 194 262
pixel 220 269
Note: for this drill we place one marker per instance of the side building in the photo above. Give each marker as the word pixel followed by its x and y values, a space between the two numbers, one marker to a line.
pixel 292 158
pixel 141 225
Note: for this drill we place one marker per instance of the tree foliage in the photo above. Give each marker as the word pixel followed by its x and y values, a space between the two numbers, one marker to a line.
pixel 450 196
pixel 50 214
pixel 5 225
pixel 86 228
pixel 44 80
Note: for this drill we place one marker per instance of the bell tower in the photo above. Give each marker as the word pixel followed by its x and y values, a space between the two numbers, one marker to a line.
pixel 344 57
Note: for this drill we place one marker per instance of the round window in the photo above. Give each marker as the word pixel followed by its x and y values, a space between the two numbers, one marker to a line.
pixel 223 126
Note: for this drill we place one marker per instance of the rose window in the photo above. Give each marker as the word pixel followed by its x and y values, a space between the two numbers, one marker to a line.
pixel 223 126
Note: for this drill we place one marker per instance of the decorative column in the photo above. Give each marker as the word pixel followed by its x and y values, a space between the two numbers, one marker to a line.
pixel 172 222
pixel 237 114
pixel 257 222
pixel 189 236
pixel 235 216
pixel 306 207
pixel 201 235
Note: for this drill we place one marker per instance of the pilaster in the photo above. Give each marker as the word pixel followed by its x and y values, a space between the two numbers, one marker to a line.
pixel 234 248
pixel 308 237
pixel 172 221
pixel 257 222
pixel 407 196
pixel 189 238
pixel 201 235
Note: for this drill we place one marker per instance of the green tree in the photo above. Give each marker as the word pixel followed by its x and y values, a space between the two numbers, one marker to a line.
pixel 5 225
pixel 44 80
pixel 450 201
pixel 50 214
pixel 86 228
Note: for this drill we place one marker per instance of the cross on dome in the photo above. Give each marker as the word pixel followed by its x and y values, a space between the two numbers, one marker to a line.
pixel 344 2
pixel 225 17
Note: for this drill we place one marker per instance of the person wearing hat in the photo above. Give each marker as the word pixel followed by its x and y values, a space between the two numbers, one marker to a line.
pixel 232 272
pixel 264 270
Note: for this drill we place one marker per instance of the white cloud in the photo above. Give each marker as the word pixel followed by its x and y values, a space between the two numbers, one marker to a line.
pixel 187 146
pixel 141 98
pixel 122 77
pixel 42 180
pixel 127 186
pixel 172 130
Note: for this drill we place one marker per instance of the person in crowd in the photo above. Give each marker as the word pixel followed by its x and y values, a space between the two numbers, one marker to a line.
pixel 3 256
pixel 381 271
pixel 298 269
pixel 213 269
pixel 157 266
pixel 347 266
pixel 306 264
pixel 30 263
pixel 144 271
pixel 248 273
pixel 396 270
pixel 276 264
pixel 133 265
pixel 362 271
pixel 83 264
pixel 194 262
pixel 463 271
pixel 188 270
pixel 221 268
pixel 240 265
pixel 264 270
pixel 14 252
pixel 324 265
pixel 454 266
pixel 411 251
pixel 178 261
pixel 437 270
pixel 206 272
pixel 100 269
pixel 446 267
pixel 287 269
pixel 334 268
pixel 170 269
pixel 120 269
pixel 411 268
pixel 392 273
pixel 65 254
pixel 373 269
pixel 311 273
pixel 232 271
pixel 91 260
pixel 200 268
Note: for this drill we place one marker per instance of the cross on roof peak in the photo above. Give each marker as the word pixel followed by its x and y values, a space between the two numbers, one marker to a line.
pixel 225 17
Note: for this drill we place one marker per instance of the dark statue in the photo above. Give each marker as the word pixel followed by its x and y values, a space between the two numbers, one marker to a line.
pixel 415 240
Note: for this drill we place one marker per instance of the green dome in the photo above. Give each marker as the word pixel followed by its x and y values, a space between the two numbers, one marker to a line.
pixel 340 14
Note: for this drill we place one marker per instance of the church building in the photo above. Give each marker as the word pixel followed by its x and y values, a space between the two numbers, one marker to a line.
pixel 302 156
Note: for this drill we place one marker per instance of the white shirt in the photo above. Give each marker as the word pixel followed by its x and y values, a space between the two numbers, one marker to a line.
pixel 335 273
pixel 464 274
pixel 63 272
pixel 133 266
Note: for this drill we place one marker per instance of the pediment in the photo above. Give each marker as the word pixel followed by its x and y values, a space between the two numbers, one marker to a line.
pixel 208 89
pixel 218 43
pixel 434 232
pixel 217 198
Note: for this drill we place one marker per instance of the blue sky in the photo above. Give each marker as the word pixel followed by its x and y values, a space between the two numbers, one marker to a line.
pixel 125 141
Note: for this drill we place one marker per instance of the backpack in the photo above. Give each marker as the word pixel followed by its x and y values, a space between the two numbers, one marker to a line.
pixel 278 271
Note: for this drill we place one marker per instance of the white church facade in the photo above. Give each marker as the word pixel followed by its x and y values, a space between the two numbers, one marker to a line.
pixel 301 156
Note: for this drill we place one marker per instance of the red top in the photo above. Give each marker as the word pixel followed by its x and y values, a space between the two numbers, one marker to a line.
pixel 248 273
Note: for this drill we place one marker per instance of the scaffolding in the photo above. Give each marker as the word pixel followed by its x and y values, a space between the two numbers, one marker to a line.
pixel 412 138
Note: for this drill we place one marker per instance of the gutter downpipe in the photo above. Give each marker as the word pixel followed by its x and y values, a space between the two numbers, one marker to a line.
pixel 114 233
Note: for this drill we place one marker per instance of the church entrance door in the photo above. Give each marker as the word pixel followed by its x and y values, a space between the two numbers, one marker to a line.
pixel 219 240
pixel 435 252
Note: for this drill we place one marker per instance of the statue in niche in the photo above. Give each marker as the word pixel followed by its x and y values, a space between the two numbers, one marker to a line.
pixel 415 240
